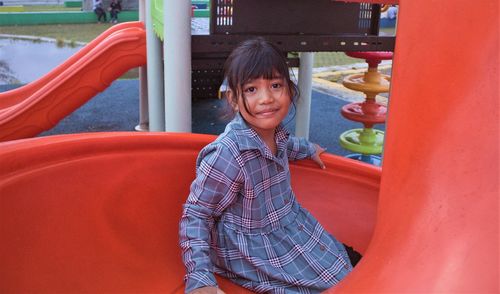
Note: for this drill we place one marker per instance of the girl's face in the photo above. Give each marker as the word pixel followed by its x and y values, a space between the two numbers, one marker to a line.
pixel 267 103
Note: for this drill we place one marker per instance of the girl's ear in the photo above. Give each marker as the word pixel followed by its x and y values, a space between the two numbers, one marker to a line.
pixel 231 99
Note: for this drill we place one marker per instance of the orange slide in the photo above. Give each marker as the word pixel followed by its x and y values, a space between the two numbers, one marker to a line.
pixel 99 213
pixel 40 105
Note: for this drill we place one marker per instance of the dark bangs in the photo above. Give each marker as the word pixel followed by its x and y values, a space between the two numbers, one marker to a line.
pixel 254 59
pixel 266 63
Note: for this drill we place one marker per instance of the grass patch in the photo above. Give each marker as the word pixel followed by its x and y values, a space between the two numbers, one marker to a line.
pixel 41 8
pixel 324 59
pixel 72 32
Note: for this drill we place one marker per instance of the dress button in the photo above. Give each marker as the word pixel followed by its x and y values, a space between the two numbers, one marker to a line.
pixel 322 247
pixel 301 227
pixel 286 201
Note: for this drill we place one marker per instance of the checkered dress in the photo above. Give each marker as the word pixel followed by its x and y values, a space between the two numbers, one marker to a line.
pixel 242 220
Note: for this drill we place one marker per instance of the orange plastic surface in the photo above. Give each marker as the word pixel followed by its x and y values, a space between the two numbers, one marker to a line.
pixel 437 225
pixel 40 105
pixel 99 212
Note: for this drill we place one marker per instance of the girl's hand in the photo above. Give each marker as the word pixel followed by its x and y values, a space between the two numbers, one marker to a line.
pixel 207 290
pixel 316 157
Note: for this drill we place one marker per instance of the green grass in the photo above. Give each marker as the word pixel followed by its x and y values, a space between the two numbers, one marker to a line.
pixel 36 8
pixel 324 59
pixel 71 32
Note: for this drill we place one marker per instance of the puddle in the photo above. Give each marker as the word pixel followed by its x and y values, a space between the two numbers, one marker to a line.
pixel 23 61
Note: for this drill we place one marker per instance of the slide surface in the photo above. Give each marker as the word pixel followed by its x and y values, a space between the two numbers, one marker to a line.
pixel 437 225
pixel 99 212
pixel 40 105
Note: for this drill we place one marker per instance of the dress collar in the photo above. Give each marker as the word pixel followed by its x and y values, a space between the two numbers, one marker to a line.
pixel 248 138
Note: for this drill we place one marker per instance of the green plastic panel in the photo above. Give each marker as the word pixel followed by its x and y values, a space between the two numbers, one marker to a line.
pixel 72 3
pixel 157 14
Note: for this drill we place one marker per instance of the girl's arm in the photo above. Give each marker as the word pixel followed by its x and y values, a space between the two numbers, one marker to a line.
pixel 300 148
pixel 218 180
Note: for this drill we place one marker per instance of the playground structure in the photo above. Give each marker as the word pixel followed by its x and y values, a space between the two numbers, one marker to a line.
pixel 99 212
pixel 367 142
pixel 328 26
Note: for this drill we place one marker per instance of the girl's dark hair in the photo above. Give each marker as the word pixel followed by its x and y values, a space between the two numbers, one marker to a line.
pixel 256 58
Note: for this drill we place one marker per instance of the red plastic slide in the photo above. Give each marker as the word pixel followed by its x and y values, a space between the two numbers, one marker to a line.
pixel 99 212
pixel 38 106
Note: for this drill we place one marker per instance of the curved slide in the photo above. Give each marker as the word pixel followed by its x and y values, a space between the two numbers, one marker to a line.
pixel 40 105
pixel 99 212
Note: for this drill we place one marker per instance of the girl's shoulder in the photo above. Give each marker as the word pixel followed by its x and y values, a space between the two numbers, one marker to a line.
pixel 238 142
pixel 226 145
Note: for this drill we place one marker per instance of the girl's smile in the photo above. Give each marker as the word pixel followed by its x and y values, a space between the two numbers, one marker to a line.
pixel 267 112
pixel 264 104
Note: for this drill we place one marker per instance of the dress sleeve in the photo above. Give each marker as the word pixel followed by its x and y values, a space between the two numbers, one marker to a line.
pixel 218 181
pixel 299 148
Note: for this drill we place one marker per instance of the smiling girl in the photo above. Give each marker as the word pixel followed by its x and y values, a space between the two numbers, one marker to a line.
pixel 241 219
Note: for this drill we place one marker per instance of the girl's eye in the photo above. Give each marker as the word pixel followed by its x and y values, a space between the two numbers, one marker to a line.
pixel 250 90
pixel 276 85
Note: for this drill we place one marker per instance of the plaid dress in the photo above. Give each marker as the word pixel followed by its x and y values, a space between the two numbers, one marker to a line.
pixel 242 220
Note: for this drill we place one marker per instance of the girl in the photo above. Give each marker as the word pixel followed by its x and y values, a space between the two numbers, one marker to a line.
pixel 241 219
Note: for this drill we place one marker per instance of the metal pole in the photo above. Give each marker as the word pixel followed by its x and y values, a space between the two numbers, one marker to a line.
pixel 143 86
pixel 156 103
pixel 302 119
pixel 177 64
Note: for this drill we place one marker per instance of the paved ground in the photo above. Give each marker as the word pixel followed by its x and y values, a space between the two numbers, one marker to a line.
pixel 117 109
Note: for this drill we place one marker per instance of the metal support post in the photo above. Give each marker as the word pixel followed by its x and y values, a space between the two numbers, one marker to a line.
pixel 156 103
pixel 302 119
pixel 177 65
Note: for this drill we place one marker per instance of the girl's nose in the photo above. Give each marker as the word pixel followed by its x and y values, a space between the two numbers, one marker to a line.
pixel 266 96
